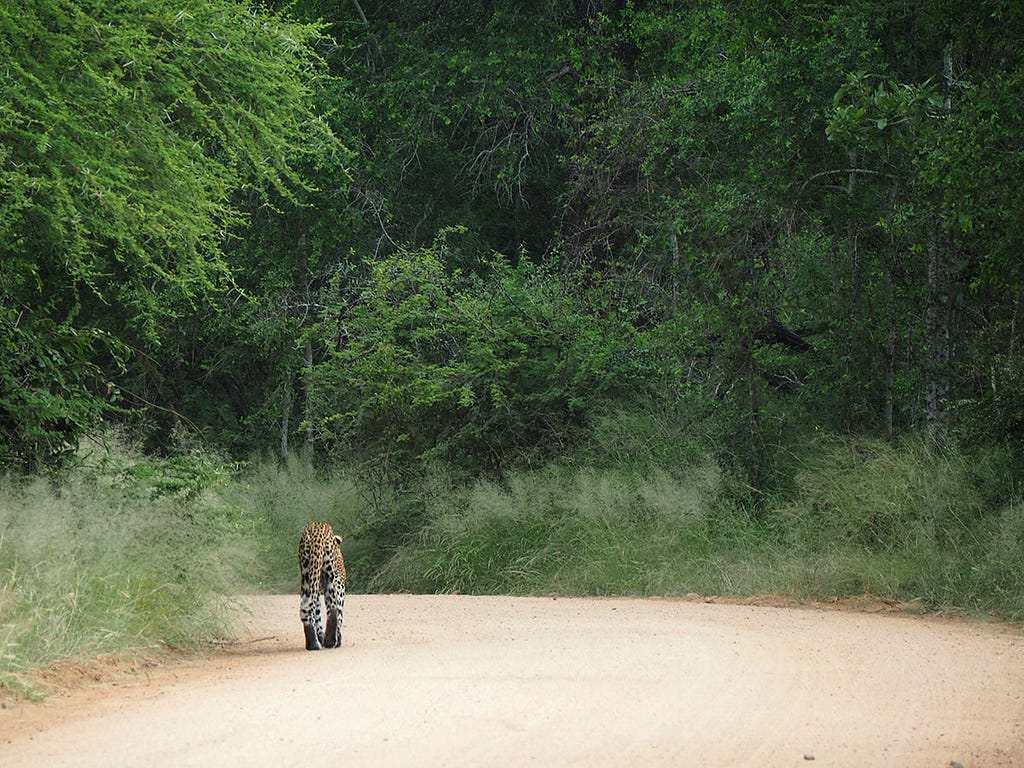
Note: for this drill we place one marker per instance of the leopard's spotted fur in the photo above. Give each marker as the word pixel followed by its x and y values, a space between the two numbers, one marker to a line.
pixel 322 569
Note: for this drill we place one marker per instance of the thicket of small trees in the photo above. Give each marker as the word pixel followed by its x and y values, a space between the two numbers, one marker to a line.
pixel 388 234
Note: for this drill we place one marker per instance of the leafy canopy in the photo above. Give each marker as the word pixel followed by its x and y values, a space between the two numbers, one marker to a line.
pixel 126 130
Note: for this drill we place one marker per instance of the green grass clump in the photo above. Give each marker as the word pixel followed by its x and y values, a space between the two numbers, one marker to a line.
pixel 898 522
pixel 281 499
pixel 910 522
pixel 580 531
pixel 116 556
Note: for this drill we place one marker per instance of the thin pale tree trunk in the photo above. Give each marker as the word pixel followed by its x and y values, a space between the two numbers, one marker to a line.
pixel 307 443
pixel 286 412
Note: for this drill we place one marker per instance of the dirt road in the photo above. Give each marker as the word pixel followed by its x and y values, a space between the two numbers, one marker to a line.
pixel 479 681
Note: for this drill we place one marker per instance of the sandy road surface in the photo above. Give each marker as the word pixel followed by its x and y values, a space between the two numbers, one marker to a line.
pixel 479 681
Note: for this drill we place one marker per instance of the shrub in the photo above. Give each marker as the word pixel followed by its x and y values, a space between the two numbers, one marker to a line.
pixel 574 531
pixel 112 558
pixel 281 499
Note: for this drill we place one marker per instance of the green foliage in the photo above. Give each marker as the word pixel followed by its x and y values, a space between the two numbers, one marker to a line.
pixel 480 370
pixel 125 129
pixel 674 177
pixel 897 523
pixel 117 557
pixel 48 380
pixel 130 126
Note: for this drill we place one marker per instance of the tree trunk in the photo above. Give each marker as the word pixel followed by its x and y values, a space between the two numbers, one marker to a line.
pixel 673 241
pixel 937 313
pixel 286 412
pixel 890 359
pixel 307 443
pixel 936 385
pixel 754 467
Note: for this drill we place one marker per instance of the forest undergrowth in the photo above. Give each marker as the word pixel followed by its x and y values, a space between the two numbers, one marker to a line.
pixel 120 553
pixel 128 552
pixel 896 523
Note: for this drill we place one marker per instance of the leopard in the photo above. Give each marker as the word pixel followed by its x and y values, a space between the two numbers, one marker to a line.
pixel 322 572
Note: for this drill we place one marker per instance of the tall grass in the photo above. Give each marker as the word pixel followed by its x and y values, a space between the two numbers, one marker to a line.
pixel 911 522
pixel 281 499
pixel 130 552
pixel 123 553
pixel 582 531
pixel 901 522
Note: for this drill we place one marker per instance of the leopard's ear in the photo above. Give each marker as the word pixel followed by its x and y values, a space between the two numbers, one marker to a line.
pixel 338 539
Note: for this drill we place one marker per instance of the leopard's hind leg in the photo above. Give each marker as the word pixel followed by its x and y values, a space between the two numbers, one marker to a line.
pixel 312 626
pixel 334 597
pixel 309 609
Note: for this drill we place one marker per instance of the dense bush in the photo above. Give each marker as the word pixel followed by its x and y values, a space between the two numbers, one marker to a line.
pixel 480 371
pixel 903 523
pixel 123 552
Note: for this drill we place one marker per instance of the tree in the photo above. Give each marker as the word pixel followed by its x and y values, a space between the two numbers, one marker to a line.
pixel 125 129
pixel 930 123
pixel 698 129
pixel 452 113
pixel 482 371
pixel 803 214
